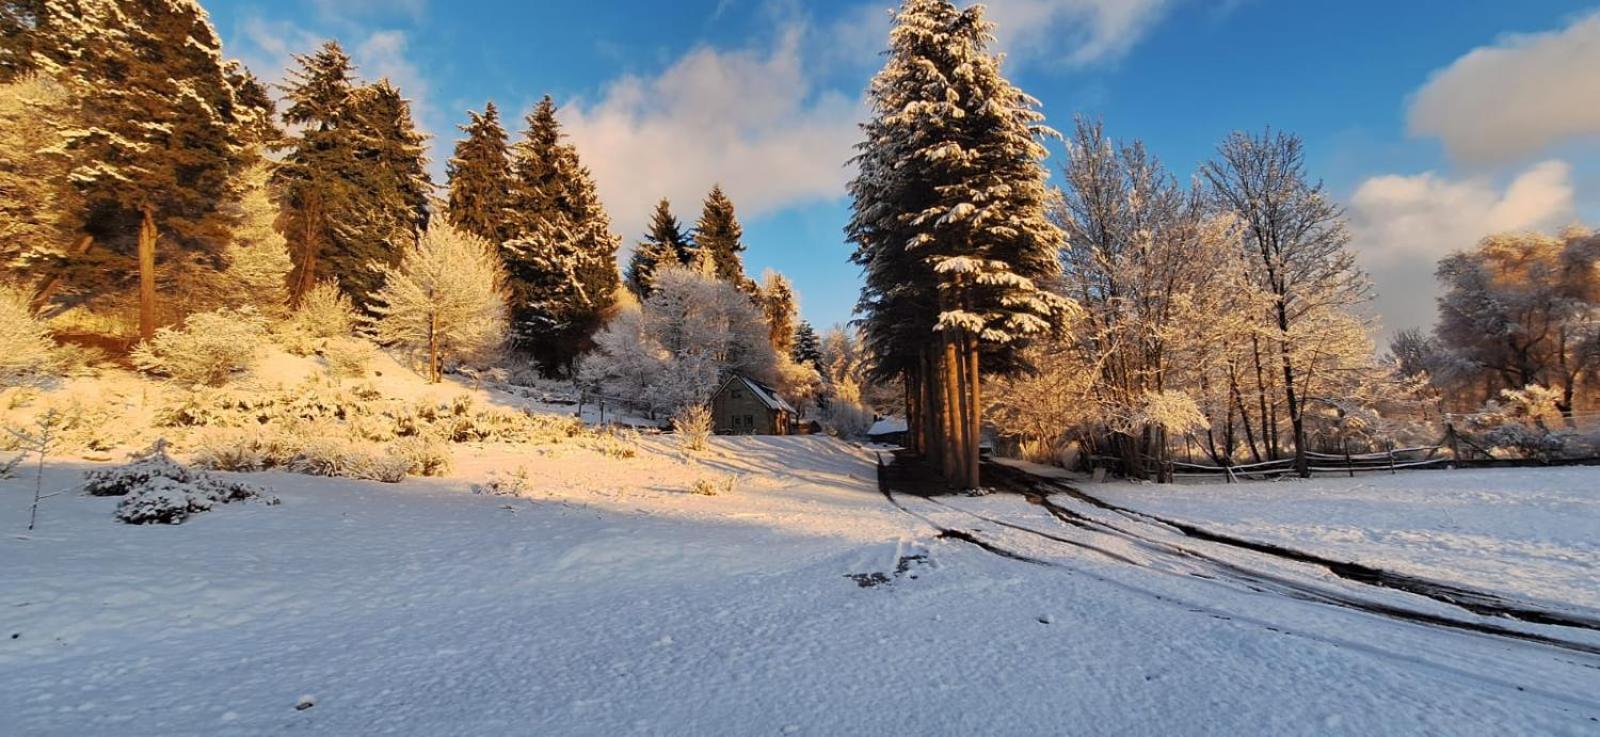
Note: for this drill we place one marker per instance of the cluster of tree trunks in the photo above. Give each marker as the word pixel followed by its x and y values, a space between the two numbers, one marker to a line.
pixel 943 416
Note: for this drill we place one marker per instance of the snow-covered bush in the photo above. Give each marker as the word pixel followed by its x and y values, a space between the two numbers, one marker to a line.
pixel 1526 422
pixel 712 487
pixel 325 313
pixel 207 350
pixel 157 489
pixel 348 357
pixel 424 456
pixel 693 424
pixel 27 354
pixel 326 455
pixel 499 483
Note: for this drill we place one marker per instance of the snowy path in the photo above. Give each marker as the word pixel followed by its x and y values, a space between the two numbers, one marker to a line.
pixel 420 609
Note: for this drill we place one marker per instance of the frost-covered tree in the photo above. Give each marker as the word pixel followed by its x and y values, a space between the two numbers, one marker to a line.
pixel 27 354
pixel 781 308
pixel 480 178
pixel 561 256
pixel 1520 309
pixel 445 302
pixel 388 179
pixel 950 222
pixel 691 334
pixel 665 245
pixel 256 259
pixel 720 238
pixel 1298 241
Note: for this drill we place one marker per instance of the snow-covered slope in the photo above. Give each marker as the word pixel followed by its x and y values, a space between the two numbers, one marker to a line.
pixel 802 603
pixel 1534 533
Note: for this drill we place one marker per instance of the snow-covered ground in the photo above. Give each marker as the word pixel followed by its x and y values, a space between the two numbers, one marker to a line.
pixel 611 602
pixel 1534 533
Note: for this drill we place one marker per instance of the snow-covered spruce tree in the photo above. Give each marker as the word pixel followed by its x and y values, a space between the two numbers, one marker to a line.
pixel 445 301
pixel 27 354
pixel 561 256
pixel 781 309
pixel 257 263
pixel 390 187
pixel 807 348
pixel 720 238
pixel 1297 240
pixel 665 245
pixel 950 219
pixel 159 129
pixel 311 180
pixel 480 178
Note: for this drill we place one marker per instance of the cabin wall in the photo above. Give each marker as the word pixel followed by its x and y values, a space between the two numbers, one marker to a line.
pixel 736 404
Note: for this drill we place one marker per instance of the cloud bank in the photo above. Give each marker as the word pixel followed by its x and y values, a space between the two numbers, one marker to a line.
pixel 1402 226
pixel 1509 101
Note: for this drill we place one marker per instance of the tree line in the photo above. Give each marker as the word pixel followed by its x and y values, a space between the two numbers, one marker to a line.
pixel 146 178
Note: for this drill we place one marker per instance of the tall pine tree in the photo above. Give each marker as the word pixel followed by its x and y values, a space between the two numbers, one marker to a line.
pixel 159 131
pixel 480 178
pixel 311 179
pixel 950 221
pixel 561 254
pixel 665 244
pixel 719 237
pixel 354 182
pixel 390 188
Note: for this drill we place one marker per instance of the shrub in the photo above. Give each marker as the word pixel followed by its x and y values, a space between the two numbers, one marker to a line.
pixel 423 456
pixel 709 487
pixel 348 357
pixel 156 489
pixel 334 456
pixel 209 349
pixel 324 314
pixel 693 424
pixel 27 353
pixel 504 484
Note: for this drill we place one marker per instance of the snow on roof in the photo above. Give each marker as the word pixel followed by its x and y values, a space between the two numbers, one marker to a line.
pixel 887 425
pixel 764 393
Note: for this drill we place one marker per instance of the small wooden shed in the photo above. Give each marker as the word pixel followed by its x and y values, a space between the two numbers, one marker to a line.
pixel 744 406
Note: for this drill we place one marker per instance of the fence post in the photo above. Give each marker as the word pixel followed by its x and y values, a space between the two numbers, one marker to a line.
pixel 1349 466
pixel 1450 438
pixel 1391 457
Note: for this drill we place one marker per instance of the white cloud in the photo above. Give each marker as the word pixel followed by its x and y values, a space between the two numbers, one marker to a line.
pixel 1078 32
pixel 748 119
pixel 1404 224
pixel 1511 100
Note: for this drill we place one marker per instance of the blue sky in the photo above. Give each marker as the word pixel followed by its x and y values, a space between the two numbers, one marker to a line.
pixel 1434 121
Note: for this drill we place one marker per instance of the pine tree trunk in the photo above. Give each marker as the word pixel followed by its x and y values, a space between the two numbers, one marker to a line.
pixel 310 247
pixel 974 414
pixel 147 274
pixel 933 421
pixel 954 471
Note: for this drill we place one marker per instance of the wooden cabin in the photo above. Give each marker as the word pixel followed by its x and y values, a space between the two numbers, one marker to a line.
pixel 744 406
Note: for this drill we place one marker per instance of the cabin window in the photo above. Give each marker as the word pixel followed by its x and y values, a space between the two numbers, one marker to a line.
pixel 738 394
pixel 749 422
